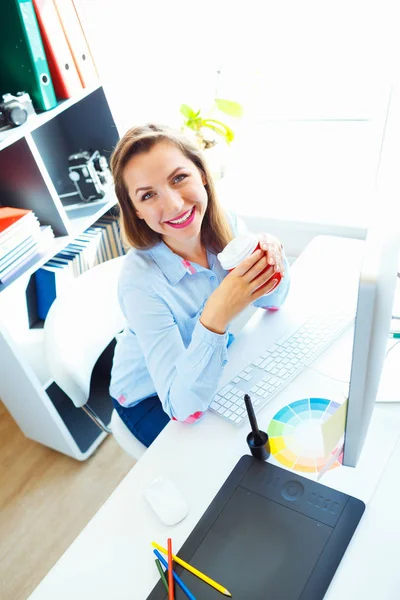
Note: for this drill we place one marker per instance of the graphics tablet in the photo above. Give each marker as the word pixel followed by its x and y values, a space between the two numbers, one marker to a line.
pixel 268 533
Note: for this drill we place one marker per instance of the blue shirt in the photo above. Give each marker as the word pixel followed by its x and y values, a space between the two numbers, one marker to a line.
pixel 164 348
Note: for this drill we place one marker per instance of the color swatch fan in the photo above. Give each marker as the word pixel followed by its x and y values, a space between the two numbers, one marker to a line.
pixel 307 435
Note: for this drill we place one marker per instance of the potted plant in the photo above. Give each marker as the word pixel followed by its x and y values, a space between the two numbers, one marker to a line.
pixel 209 130
pixel 212 134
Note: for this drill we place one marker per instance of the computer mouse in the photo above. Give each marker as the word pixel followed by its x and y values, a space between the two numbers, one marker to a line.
pixel 166 501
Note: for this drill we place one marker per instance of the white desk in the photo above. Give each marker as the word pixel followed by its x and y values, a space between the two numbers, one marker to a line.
pixel 112 557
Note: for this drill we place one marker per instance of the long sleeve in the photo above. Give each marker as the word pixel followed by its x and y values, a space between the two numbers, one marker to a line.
pixel 185 378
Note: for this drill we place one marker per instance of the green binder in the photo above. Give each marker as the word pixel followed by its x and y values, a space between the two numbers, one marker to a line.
pixel 23 63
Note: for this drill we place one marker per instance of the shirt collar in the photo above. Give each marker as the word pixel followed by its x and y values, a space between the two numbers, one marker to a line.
pixel 173 266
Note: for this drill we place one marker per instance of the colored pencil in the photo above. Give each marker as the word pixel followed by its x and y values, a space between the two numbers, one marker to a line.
pixel 195 571
pixel 162 576
pixel 177 579
pixel 170 576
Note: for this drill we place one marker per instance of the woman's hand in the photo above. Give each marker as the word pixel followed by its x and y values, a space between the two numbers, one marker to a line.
pixel 241 287
pixel 274 250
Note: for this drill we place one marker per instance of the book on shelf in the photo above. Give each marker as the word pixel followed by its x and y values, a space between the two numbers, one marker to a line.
pixel 24 223
pixel 63 263
pixel 95 245
pixel 13 256
pixel 95 235
pixel 102 250
pixel 13 262
pixel 93 252
pixel 116 232
pixel 66 261
pixel 10 215
pixel 19 233
pixel 112 237
pixel 12 241
pixel 51 280
pixel 105 240
pixel 73 256
pixel 17 265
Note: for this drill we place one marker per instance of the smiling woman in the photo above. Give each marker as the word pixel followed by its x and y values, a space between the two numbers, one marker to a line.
pixel 159 175
pixel 177 299
pixel 176 200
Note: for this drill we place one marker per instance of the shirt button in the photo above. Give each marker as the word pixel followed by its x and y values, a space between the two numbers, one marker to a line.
pixel 224 363
pixel 212 278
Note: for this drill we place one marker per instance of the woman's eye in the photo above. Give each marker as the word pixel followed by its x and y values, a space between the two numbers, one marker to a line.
pixel 147 195
pixel 179 178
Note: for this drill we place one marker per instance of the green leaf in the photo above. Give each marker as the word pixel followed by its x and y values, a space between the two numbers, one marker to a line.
pixel 233 109
pixel 196 123
pixel 220 128
pixel 188 112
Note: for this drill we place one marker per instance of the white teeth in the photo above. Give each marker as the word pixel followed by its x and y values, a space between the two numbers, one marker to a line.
pixel 183 219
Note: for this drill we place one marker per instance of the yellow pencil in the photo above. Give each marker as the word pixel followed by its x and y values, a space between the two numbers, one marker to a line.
pixel 198 574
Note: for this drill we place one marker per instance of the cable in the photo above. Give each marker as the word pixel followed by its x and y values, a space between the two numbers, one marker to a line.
pixel 329 376
pixel 391 348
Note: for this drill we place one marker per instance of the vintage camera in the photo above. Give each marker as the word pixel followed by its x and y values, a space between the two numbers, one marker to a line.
pixel 90 173
pixel 15 110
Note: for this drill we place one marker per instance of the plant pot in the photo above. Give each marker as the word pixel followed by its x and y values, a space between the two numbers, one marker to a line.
pixel 217 159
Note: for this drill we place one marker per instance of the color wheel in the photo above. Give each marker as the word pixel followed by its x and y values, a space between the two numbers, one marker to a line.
pixel 295 435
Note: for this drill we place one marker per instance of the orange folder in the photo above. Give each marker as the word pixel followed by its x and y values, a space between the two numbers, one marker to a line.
pixel 77 41
pixel 84 19
pixel 63 71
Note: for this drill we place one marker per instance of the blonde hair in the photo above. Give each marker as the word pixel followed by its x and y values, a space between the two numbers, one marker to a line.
pixel 215 230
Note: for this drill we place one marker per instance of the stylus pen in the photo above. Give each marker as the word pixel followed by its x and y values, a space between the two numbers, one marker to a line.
pixel 252 419
pixel 175 576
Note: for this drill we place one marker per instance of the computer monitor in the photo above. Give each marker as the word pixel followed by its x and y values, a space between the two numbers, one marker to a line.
pixel 376 289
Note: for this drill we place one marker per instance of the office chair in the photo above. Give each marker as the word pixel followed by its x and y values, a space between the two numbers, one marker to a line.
pixel 79 328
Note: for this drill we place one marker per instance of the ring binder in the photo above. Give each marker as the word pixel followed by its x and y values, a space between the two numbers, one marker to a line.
pixel 62 66
pixel 76 41
pixel 23 63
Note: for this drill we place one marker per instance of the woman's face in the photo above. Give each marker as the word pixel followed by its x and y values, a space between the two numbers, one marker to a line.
pixel 167 190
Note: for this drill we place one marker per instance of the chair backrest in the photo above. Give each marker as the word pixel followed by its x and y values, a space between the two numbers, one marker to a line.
pixel 79 326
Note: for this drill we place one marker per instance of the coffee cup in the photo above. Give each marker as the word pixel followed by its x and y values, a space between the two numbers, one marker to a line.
pixel 240 248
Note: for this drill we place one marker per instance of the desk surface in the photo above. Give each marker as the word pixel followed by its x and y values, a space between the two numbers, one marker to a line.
pixel 112 557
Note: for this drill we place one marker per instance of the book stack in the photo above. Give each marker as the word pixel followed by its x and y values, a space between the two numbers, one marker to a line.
pixel 47 50
pixel 95 245
pixel 21 238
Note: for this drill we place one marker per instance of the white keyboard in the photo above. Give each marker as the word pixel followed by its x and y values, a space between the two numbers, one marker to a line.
pixel 270 372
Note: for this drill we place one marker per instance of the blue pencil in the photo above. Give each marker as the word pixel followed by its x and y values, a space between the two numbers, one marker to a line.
pixel 177 579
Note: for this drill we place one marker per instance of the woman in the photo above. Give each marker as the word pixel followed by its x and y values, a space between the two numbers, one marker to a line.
pixel 177 299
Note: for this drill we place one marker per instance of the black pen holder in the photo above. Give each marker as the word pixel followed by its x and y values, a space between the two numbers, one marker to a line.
pixel 259 445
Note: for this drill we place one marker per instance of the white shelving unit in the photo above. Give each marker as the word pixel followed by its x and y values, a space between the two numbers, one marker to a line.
pixel 34 174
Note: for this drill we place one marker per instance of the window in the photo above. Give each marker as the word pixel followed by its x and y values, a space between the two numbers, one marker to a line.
pixel 314 79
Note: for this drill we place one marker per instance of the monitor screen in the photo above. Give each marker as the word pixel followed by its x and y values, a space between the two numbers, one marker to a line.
pixel 376 288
